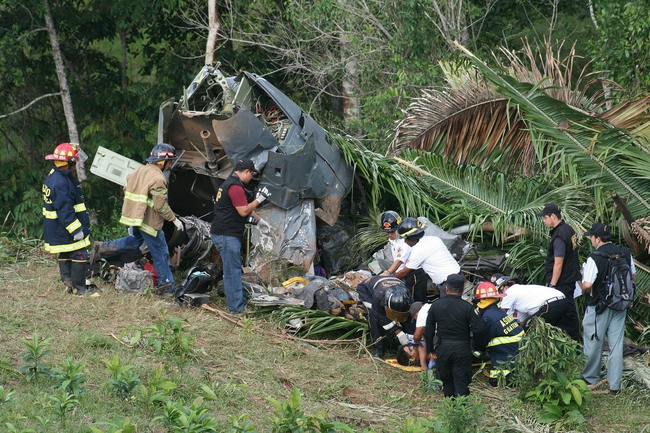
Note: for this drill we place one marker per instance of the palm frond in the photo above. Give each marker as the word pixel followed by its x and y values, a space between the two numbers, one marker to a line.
pixel 388 182
pixel 319 323
pixel 508 202
pixel 605 155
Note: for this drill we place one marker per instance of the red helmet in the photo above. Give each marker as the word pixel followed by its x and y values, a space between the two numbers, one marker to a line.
pixel 488 290
pixel 64 152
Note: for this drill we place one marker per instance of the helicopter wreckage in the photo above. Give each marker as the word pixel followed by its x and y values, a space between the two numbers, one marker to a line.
pixel 222 119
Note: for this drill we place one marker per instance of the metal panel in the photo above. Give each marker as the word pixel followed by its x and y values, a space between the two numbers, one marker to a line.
pixel 112 166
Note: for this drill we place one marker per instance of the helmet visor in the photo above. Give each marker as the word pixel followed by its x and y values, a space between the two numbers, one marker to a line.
pixel 81 155
pixel 397 316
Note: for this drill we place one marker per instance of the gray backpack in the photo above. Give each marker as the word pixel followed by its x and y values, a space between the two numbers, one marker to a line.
pixel 618 288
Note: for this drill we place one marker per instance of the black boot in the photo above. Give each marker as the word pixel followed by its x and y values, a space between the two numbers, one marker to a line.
pixel 95 252
pixel 78 277
pixel 65 271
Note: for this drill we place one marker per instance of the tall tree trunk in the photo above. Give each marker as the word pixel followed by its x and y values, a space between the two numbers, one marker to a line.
pixel 351 100
pixel 213 29
pixel 63 84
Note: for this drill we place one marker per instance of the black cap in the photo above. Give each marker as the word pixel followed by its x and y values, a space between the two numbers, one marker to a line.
pixel 549 208
pixel 495 277
pixel 415 308
pixel 456 281
pixel 246 164
pixel 599 230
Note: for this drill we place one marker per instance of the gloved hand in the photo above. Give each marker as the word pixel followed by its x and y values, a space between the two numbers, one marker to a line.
pixel 264 226
pixel 385 274
pixel 78 236
pixel 262 194
pixel 179 224
pixel 403 338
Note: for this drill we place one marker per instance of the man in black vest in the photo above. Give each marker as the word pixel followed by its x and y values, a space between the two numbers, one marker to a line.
pixel 609 322
pixel 562 264
pixel 232 208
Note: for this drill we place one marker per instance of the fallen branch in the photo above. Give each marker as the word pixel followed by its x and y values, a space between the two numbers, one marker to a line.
pixel 120 341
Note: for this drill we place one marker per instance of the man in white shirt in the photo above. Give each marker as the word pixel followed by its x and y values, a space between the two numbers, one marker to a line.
pixel 390 220
pixel 524 301
pixel 427 252
pixel 598 318
pixel 417 349
pixel 415 281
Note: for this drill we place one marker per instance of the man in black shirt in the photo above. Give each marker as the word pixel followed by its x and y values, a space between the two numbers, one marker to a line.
pixel 562 261
pixel 453 322
pixel 233 205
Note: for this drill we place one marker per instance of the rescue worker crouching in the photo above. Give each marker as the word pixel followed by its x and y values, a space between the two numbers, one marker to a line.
pixel 66 225
pixel 501 332
pixel 388 302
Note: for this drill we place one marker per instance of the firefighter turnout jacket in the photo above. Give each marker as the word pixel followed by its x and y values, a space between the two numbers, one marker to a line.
pixel 145 200
pixel 500 339
pixel 64 212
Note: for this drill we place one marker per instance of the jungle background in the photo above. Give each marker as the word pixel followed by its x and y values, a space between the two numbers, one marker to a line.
pixel 472 113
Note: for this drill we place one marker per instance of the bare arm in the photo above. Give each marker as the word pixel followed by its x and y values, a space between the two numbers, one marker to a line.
pixel 585 287
pixel 557 270
pixel 393 268
pixel 248 209
pixel 422 351
pixel 404 272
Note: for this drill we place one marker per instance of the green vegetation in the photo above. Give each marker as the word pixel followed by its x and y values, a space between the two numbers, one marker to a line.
pixel 260 381
pixel 548 371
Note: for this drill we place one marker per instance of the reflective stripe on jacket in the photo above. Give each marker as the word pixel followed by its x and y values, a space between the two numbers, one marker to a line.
pixel 145 200
pixel 500 338
pixel 64 213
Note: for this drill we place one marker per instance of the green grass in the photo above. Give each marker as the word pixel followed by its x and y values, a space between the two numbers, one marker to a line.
pixel 244 366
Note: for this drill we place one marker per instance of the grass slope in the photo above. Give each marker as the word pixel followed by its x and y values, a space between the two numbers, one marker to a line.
pixel 244 363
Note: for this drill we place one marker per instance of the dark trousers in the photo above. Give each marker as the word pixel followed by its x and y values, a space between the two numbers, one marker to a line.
pixel 454 367
pixel 416 282
pixel 562 313
pixel 376 330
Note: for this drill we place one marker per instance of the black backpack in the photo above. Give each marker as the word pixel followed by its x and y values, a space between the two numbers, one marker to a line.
pixel 618 288
pixel 198 280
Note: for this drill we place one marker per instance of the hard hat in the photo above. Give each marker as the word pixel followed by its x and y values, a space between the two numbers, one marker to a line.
pixel 398 302
pixel 389 221
pixel 504 280
pixel 410 227
pixel 487 290
pixel 162 152
pixel 67 152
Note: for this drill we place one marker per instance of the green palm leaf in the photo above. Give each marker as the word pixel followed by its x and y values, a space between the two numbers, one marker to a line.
pixel 603 154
